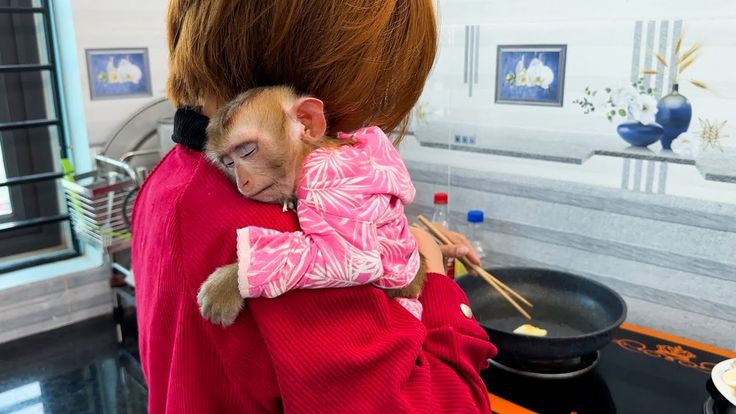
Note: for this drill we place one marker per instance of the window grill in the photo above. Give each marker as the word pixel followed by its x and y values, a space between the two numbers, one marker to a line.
pixel 34 225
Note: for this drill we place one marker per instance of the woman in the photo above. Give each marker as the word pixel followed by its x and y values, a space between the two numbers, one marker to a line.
pixel 324 351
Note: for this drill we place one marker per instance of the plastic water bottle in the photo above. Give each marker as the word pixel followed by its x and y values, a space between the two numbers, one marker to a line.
pixel 441 215
pixel 475 220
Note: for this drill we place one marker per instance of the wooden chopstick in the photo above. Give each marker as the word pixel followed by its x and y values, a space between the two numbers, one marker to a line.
pixel 472 266
pixel 489 278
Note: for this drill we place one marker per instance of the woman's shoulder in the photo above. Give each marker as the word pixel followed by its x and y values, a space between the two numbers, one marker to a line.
pixel 193 190
pixel 185 174
pixel 188 206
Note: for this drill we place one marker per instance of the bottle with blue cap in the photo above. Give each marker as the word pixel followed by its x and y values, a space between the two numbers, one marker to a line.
pixel 475 220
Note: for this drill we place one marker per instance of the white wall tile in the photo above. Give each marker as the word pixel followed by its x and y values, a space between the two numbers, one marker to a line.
pixel 129 24
pixel 600 41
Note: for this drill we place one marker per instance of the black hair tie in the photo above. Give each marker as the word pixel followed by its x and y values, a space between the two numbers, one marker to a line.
pixel 190 129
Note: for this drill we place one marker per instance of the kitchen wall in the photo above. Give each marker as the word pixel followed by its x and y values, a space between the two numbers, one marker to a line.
pixel 653 229
pixel 601 39
pixel 599 36
pixel 126 24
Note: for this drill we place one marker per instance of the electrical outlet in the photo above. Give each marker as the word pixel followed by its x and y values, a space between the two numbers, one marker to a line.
pixel 464 139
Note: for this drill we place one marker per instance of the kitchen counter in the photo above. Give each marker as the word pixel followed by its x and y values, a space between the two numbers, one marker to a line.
pixel 640 371
pixel 566 147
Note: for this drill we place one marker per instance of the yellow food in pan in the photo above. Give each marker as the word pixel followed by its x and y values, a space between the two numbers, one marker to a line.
pixel 531 330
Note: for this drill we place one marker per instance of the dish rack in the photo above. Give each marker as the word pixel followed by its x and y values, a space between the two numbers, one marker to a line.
pixel 99 203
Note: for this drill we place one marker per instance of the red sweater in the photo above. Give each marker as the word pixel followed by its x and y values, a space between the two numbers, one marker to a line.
pixel 349 350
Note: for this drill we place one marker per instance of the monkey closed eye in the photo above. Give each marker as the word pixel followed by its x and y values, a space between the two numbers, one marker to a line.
pixel 245 150
pixel 242 151
pixel 227 161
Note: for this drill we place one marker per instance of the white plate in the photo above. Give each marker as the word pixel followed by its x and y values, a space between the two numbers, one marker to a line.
pixel 717 376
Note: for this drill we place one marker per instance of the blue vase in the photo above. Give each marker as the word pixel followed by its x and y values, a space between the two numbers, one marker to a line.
pixel 673 113
pixel 638 134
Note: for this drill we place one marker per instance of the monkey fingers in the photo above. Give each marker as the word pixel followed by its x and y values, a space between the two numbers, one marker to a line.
pixel 218 298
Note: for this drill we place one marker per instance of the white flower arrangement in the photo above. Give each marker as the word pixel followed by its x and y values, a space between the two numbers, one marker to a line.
pixel 537 74
pixel 634 102
pixel 125 71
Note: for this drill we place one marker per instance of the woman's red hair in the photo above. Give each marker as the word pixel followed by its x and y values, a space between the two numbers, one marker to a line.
pixel 367 60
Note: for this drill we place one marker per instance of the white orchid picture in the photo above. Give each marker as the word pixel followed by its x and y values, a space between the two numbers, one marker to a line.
pixel 118 73
pixel 536 74
pixel 124 71
pixel 532 75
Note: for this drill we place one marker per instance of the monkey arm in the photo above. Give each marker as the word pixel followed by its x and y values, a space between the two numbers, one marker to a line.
pixel 323 255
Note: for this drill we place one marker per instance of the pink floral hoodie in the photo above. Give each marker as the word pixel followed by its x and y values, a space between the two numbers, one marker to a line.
pixel 350 203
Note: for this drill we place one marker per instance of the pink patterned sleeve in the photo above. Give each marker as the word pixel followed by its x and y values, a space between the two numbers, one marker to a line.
pixel 321 256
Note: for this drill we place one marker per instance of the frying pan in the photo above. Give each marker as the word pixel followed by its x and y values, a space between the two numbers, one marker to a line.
pixel 579 314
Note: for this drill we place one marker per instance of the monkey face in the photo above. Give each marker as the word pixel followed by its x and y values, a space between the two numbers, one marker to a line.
pixel 261 139
pixel 263 166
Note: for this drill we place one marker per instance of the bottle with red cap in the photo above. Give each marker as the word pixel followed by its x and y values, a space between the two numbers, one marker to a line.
pixel 441 215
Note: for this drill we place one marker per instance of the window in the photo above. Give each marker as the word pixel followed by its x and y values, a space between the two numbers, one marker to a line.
pixel 34 226
pixel 23 399
pixel 5 208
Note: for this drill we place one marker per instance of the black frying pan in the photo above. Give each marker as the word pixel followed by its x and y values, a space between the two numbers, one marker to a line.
pixel 579 314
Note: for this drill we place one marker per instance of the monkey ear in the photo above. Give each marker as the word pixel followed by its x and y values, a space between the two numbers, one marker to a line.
pixel 310 113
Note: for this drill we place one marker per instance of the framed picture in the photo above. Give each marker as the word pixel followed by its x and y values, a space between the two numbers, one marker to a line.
pixel 530 74
pixel 118 73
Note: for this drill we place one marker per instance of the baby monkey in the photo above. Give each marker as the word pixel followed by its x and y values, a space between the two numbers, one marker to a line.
pixel 349 193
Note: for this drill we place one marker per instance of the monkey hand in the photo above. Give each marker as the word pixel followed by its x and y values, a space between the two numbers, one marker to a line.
pixel 219 298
